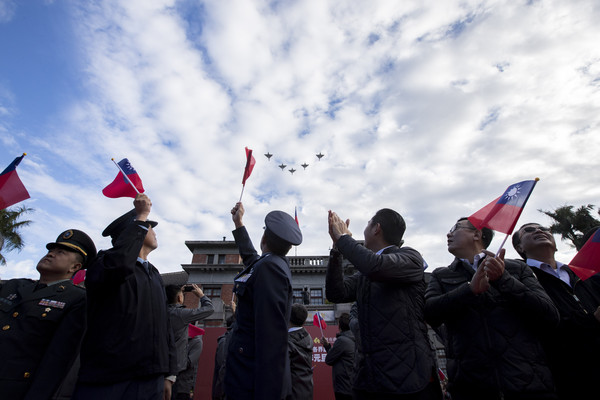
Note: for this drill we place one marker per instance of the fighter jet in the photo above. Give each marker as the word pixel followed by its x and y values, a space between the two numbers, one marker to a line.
pixel 292 170
pixel 269 155
pixel 319 156
pixel 282 166
pixel 304 165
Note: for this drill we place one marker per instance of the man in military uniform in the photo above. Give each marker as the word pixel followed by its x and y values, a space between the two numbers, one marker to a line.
pixel 43 321
pixel 128 350
pixel 258 365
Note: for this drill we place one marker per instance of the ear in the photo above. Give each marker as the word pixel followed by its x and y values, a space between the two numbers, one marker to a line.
pixel 377 229
pixel 478 235
pixel 75 267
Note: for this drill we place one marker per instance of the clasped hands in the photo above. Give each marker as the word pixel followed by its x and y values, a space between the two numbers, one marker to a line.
pixel 491 269
pixel 337 226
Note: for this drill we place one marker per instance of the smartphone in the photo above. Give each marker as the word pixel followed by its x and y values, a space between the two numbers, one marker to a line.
pixel 188 288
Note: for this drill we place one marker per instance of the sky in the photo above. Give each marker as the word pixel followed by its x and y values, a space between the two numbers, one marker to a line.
pixel 430 108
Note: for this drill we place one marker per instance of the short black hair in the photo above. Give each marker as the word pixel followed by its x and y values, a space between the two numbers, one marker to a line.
pixel 487 235
pixel 344 322
pixel 298 315
pixel 392 224
pixel 276 245
pixel 172 291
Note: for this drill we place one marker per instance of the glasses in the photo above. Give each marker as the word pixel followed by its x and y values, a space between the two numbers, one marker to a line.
pixel 457 226
pixel 531 229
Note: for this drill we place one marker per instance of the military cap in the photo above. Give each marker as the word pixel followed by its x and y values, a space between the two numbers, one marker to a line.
pixel 118 225
pixel 284 227
pixel 76 241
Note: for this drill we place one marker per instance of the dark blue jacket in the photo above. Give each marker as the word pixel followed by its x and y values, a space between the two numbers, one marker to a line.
pixel 129 334
pixel 258 365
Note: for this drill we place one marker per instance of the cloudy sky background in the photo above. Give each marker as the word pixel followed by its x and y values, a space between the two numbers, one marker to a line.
pixel 430 108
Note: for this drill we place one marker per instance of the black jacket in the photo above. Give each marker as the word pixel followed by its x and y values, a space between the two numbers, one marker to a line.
pixel 492 338
pixel 573 349
pixel 258 366
pixel 129 334
pixel 181 317
pixel 40 336
pixel 396 353
pixel 341 358
pixel 300 351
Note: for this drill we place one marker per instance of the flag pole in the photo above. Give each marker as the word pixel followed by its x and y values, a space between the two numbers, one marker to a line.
pixel 126 177
pixel 241 194
pixel 502 245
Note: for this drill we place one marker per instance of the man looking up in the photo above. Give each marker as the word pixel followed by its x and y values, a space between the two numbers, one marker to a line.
pixel 43 321
pixel 573 349
pixel 258 365
pixel 397 359
pixel 128 350
pixel 493 311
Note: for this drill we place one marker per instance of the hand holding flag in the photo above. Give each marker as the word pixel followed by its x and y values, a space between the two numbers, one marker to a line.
pixel 127 183
pixel 12 189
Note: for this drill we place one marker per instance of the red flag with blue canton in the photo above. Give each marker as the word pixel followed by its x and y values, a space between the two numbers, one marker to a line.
pixel 12 189
pixel 250 161
pixel 587 260
pixel 318 318
pixel 296 216
pixel 121 187
pixel 502 214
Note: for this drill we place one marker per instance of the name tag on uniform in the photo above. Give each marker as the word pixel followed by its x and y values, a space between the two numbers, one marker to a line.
pixel 244 277
pixel 52 303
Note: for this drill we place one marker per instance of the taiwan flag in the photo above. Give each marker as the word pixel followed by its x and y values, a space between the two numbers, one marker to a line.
pixel 122 185
pixel 319 321
pixel 502 214
pixel 194 331
pixel 12 189
pixel 250 161
pixel 587 260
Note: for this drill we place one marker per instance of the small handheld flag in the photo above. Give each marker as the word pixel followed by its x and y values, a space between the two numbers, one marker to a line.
pixel 503 213
pixel 12 189
pixel 319 321
pixel 250 162
pixel 127 183
pixel 194 331
pixel 587 260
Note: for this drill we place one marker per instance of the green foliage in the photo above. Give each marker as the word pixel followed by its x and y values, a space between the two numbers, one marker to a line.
pixel 572 224
pixel 10 224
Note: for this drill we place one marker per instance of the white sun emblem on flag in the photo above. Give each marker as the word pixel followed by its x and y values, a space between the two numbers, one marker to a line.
pixel 513 192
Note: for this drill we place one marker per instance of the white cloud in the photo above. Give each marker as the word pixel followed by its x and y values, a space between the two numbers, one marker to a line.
pixel 429 108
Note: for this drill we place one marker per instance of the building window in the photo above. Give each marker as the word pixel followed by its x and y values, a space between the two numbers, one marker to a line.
pixel 212 292
pixel 210 259
pixel 316 296
pixel 221 258
pixel 297 296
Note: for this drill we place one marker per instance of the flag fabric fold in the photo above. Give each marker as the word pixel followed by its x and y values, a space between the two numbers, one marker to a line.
pixel 250 161
pixel 587 260
pixel 194 331
pixel 296 216
pixel 121 187
pixel 12 189
pixel 319 321
pixel 502 214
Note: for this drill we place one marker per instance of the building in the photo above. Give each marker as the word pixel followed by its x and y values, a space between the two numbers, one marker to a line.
pixel 216 263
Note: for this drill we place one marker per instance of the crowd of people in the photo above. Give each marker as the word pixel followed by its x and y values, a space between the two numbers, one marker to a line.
pixel 512 329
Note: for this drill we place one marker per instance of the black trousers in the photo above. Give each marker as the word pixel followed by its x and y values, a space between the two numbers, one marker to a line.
pixel 433 391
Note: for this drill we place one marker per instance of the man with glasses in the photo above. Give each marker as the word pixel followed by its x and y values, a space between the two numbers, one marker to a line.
pixel 573 349
pixel 493 311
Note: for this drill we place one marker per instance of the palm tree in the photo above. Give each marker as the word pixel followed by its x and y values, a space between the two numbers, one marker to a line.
pixel 572 224
pixel 10 238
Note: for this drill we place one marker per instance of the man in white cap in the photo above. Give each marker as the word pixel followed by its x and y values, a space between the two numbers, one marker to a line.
pixel 258 364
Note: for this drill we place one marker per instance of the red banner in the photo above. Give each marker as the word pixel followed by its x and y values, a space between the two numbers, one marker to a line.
pixel 322 384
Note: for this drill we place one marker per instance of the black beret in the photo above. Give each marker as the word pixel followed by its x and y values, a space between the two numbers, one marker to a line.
pixel 77 242
pixel 115 228
pixel 284 227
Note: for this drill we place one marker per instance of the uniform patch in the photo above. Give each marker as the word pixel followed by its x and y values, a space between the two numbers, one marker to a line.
pixel 52 303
